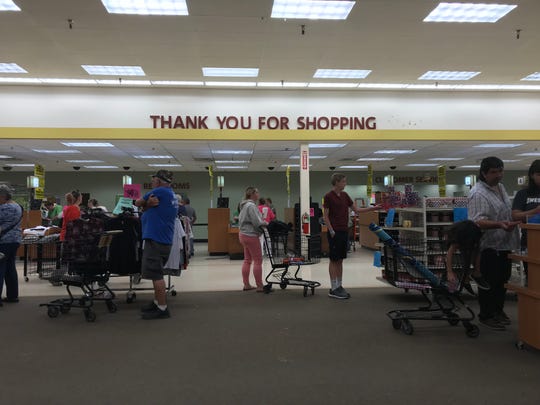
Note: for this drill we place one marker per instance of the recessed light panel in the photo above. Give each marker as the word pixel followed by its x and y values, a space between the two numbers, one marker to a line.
pixel 104 70
pixel 373 159
pixel 312 9
pixel 21 164
pixel 165 165
pixel 326 145
pixel 422 164
pixel 353 167
pixel 230 72
pixel 231 167
pixel 341 74
pixel 469 12
pixel 6 157
pixel 447 75
pixel 11 68
pixel 8 5
pixel 395 151
pixel 101 167
pixel 62 151
pixel 310 156
pixel 84 161
pixel 497 145
pixel 153 157
pixel 88 144
pixel 232 152
pixel 147 7
pixel 533 76
pixel 529 154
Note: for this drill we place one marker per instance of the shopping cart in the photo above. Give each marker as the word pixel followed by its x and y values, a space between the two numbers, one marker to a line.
pixel 405 267
pixel 286 265
pixel 41 256
pixel 84 264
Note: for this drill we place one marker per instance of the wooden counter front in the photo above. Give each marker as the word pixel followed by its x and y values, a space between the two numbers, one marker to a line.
pixel 234 247
pixel 529 297
pixel 218 224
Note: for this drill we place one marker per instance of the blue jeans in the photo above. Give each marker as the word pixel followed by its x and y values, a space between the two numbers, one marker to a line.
pixel 8 271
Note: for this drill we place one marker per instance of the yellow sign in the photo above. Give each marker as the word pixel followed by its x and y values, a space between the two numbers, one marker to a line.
pixel 369 183
pixel 441 176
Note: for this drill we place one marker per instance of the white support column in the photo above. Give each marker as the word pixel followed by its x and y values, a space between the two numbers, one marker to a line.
pixel 304 196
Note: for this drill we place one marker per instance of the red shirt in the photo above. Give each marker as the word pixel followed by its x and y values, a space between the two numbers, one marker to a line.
pixel 338 209
pixel 69 213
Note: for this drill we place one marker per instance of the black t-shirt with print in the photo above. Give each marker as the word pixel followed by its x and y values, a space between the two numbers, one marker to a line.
pixel 525 201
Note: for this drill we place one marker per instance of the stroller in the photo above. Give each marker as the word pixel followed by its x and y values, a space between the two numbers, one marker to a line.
pixel 282 264
pixel 404 268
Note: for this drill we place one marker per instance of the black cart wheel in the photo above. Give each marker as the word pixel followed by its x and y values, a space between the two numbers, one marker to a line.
pixel 520 345
pixel 305 291
pixel 472 331
pixel 453 319
pixel 406 327
pixel 89 315
pixel 396 324
pixel 173 293
pixel 283 285
pixel 111 306
pixel 53 311
pixel 130 297
pixel 65 308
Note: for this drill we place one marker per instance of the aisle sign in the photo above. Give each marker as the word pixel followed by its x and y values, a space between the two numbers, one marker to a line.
pixel 441 175
pixel 132 191
pixel 39 192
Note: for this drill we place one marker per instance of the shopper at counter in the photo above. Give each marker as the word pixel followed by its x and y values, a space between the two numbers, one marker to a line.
pixel 337 205
pixel 250 222
pixel 10 239
pixel 71 211
pixel 489 207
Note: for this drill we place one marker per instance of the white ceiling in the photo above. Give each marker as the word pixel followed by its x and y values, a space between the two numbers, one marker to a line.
pixel 385 36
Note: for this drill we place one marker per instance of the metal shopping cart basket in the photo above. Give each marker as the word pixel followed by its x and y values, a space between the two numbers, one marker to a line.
pixel 407 266
pixel 286 264
pixel 84 264
pixel 42 257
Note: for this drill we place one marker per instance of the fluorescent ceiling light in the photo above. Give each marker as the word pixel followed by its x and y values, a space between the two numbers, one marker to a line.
pixel 330 85
pixel 326 145
pixel 11 68
pixel 373 159
pixel 446 159
pixel 231 167
pixel 6 157
pixel 19 80
pixel 148 7
pixel 396 151
pixel 88 144
pixel 292 165
pixel 470 166
pixel 384 86
pixel 230 72
pixel 269 84
pixel 529 154
pixel 469 12
pixel 21 164
pixel 231 84
pixel 511 160
pixel 353 167
pixel 153 157
pixel 124 82
pixel 101 167
pixel 231 161
pixel 422 164
pixel 56 151
pixel 67 81
pixel 84 161
pixel 310 156
pixel 165 165
pixel 312 9
pixel 176 83
pixel 532 76
pixel 8 5
pixel 233 152
pixel 447 75
pixel 341 74
pixel 497 145
pixel 113 70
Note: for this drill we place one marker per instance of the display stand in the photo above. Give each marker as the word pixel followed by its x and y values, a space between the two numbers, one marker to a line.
pixel 529 297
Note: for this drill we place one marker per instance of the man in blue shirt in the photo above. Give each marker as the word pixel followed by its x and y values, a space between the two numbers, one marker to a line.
pixel 160 209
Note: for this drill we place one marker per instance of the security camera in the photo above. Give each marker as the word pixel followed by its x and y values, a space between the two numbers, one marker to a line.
pixel 76 167
pixel 332 167
pixel 393 167
pixel 270 167
pixel 7 168
pixel 126 167
pixel 452 167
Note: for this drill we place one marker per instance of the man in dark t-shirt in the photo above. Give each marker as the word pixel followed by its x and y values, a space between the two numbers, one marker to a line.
pixel 337 205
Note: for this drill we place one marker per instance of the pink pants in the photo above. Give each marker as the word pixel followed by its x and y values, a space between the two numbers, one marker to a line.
pixel 252 253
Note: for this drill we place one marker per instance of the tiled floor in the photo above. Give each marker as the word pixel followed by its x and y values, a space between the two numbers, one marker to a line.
pixel 219 273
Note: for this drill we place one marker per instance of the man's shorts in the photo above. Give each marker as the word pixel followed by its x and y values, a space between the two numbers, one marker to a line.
pixel 338 245
pixel 154 256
